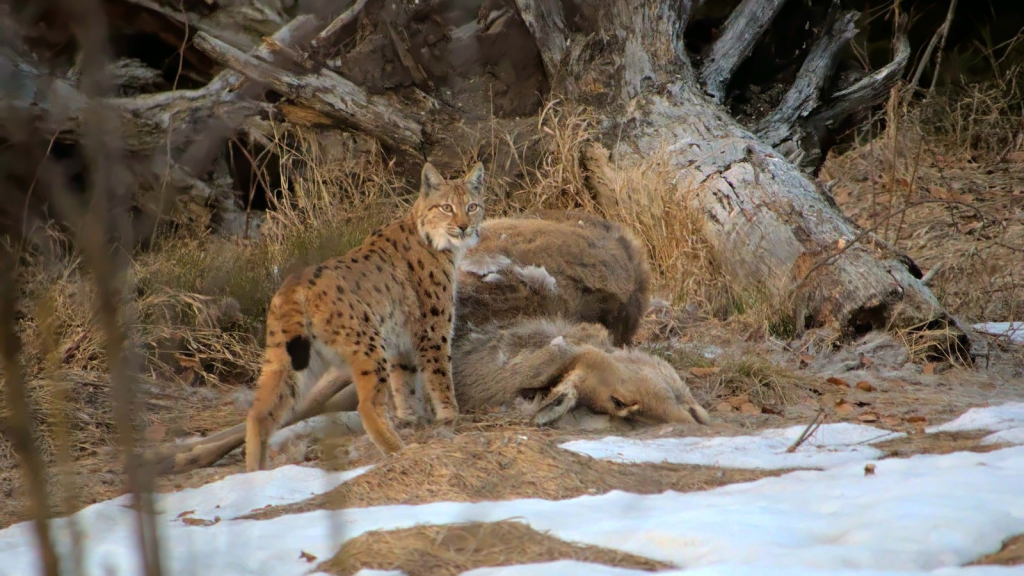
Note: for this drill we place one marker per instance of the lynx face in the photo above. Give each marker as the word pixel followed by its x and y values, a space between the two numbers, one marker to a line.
pixel 450 211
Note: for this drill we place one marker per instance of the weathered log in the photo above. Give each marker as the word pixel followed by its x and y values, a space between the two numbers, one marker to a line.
pixel 768 224
pixel 325 92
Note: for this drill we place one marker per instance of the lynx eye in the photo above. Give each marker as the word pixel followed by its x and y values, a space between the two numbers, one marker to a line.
pixel 472 207
pixel 619 404
pixel 447 208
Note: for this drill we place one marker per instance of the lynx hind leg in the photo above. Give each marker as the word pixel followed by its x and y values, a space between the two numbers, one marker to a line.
pixel 403 377
pixel 370 375
pixel 274 397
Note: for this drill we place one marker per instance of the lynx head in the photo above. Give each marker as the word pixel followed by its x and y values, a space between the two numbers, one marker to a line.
pixel 449 212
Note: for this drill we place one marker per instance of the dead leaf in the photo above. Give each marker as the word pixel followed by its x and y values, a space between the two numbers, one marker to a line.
pixel 865 361
pixel 303 555
pixel 806 359
pixel 837 381
pixel 843 408
pixel 737 401
pixel 723 407
pixel 868 417
pixel 200 521
pixel 865 386
pixel 186 513
pixel 869 469
pixel 929 369
pixel 749 408
pixel 700 372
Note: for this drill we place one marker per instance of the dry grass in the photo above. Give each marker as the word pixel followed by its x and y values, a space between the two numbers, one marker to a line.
pixel 937 443
pixel 640 196
pixel 196 314
pixel 494 460
pixel 955 165
pixel 456 548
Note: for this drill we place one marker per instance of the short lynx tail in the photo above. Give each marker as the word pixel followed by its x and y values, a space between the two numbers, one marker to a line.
pixel 289 347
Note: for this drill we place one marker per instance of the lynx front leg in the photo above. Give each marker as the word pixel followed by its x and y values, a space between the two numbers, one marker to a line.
pixel 436 362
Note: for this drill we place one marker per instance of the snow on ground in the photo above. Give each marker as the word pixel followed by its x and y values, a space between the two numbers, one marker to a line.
pixel 830 445
pixel 1006 420
pixel 1012 330
pixel 574 568
pixel 926 514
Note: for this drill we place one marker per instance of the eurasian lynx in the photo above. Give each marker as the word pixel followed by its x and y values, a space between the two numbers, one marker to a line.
pixel 384 310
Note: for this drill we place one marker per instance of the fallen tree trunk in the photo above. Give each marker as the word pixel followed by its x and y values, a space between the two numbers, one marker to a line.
pixel 773 230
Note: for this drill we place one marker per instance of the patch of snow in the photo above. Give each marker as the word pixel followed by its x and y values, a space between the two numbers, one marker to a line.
pixel 575 568
pixel 1013 436
pixel 1005 420
pixel 926 514
pixel 995 418
pixel 108 528
pixel 1012 330
pixel 830 445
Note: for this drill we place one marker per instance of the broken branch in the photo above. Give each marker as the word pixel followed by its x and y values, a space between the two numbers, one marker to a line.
pixel 741 31
pixel 805 93
pixel 325 92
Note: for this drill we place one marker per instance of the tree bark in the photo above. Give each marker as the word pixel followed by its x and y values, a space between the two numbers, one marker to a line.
pixel 772 229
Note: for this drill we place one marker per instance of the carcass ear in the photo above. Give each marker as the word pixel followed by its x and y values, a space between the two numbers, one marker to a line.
pixel 558 401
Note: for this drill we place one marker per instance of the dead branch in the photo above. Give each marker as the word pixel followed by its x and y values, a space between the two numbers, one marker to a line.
pixel 325 92
pixel 327 35
pixel 804 96
pixel 545 21
pixel 870 90
pixel 741 31
pixel 329 395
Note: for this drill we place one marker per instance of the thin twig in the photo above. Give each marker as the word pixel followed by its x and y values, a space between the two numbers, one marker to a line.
pixel 942 45
pixel 809 431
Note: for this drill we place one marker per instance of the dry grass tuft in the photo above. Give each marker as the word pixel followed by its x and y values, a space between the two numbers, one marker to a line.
pixel 456 548
pixel 576 173
pixel 493 460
